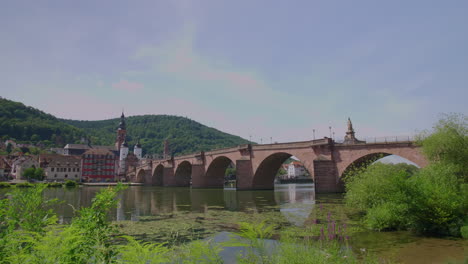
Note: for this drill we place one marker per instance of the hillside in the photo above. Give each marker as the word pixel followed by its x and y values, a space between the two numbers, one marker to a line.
pixel 28 124
pixel 184 135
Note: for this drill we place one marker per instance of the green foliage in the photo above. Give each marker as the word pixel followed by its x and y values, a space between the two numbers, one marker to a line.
pixel 33 174
pixel 142 252
pixel 431 200
pixel 24 184
pixel 464 231
pixel 291 248
pixel 28 124
pixel 184 135
pixel 448 143
pixel 28 173
pixel 70 183
pixel 438 205
pixel 5 185
pixel 54 184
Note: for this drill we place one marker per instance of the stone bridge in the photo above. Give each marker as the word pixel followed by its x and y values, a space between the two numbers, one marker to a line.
pixel 257 165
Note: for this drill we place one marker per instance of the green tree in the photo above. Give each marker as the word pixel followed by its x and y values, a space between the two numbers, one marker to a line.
pixel 448 143
pixel 39 174
pixel 28 173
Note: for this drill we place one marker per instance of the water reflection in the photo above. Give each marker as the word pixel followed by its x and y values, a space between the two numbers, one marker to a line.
pixel 295 201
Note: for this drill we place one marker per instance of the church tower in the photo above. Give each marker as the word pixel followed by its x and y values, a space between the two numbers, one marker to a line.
pixel 167 150
pixel 137 150
pixel 121 132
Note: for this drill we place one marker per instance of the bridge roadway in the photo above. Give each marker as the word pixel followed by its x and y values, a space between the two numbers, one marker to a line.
pixel 257 165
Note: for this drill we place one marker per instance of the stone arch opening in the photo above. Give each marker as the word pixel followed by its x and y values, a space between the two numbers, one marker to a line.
pixel 140 177
pixel 157 178
pixel 269 168
pixel 183 174
pixel 368 159
pixel 220 171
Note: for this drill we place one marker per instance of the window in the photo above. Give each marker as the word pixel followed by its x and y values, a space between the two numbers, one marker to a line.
pixel 55 175
pixel 78 169
pixel 76 176
pixel 69 169
pixel 66 175
pixel 52 169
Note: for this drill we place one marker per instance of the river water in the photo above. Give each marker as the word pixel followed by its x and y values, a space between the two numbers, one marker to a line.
pixel 297 204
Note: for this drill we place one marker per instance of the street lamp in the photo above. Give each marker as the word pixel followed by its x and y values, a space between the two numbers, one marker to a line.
pixel 313 131
pixel 330 131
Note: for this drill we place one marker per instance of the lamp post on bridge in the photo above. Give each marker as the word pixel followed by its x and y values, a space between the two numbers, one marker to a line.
pixel 313 131
pixel 329 128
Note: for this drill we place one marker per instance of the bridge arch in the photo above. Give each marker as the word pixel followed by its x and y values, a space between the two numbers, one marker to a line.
pixel 214 176
pixel 140 176
pixel 157 176
pixel 183 174
pixel 369 158
pixel 265 173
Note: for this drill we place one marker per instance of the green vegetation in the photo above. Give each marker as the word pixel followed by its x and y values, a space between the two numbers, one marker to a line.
pixel 29 125
pixel 29 234
pixel 432 200
pixel 54 184
pixel 33 174
pixel 70 184
pixel 184 135
pixel 5 185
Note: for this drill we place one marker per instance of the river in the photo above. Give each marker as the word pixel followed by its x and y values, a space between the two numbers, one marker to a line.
pixel 295 204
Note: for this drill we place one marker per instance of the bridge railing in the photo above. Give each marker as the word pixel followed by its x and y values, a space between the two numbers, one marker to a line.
pixel 387 139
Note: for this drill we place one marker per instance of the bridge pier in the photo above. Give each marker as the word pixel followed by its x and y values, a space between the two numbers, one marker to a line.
pixel 198 176
pixel 169 177
pixel 326 177
pixel 244 168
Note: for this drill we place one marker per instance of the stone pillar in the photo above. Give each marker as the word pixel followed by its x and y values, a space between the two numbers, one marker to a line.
pixel 326 177
pixel 198 176
pixel 169 177
pixel 244 174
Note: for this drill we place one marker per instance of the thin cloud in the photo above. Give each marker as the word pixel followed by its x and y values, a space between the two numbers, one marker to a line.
pixel 125 85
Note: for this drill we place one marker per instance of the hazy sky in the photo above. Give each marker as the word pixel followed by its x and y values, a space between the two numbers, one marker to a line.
pixel 263 68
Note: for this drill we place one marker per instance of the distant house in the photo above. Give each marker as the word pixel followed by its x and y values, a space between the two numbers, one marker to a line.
pixel 22 163
pixel 80 149
pixel 5 168
pixel 99 165
pixel 60 167
pixel 296 170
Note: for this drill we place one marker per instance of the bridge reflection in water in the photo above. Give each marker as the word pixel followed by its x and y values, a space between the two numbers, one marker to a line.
pixel 294 201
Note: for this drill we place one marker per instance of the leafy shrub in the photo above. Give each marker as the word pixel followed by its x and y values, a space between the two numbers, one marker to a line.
pixel 70 183
pixel 4 185
pixel 24 184
pixel 437 206
pixel 54 184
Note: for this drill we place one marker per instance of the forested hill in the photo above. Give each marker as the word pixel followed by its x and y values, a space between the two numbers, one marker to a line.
pixel 26 124
pixel 184 135
pixel 29 125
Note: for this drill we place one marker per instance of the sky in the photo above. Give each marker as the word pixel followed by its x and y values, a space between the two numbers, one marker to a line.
pixel 266 70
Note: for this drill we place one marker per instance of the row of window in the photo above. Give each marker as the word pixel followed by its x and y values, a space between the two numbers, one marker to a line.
pixel 65 169
pixel 98 156
pixel 66 175
pixel 105 167
pixel 88 173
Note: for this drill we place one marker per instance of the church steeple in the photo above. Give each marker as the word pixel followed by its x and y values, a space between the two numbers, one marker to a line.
pixel 122 122
pixel 121 132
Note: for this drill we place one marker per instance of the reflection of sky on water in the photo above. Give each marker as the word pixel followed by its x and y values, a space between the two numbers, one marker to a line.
pixel 296 201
